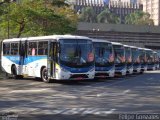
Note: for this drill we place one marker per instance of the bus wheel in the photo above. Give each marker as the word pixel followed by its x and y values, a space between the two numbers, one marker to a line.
pixel 44 75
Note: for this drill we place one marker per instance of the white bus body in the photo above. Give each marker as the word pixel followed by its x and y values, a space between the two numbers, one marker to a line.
pixel 104 58
pixel 49 57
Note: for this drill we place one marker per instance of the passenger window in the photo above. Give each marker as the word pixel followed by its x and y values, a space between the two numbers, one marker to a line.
pixel 14 48
pixel 43 48
pixel 6 48
pixel 32 48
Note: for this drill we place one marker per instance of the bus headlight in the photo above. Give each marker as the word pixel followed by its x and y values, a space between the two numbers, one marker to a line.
pixel 64 70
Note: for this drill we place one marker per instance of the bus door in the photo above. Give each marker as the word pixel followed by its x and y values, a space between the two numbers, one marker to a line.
pixel 22 57
pixel 52 56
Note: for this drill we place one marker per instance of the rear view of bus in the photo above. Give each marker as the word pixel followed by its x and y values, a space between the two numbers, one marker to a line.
pixel 150 59
pixel 135 59
pixel 120 64
pixel 128 56
pixel 143 59
pixel 104 59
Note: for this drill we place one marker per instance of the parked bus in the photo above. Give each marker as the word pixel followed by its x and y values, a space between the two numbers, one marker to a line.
pixel 150 59
pixel 156 60
pixel 135 59
pixel 49 57
pixel 143 59
pixel 104 59
pixel 120 64
pixel 128 56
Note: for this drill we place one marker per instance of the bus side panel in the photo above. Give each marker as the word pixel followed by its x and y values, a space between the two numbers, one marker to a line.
pixel 34 65
pixel 8 61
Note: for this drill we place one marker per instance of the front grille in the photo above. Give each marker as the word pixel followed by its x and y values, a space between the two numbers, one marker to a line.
pixel 101 75
pixel 78 76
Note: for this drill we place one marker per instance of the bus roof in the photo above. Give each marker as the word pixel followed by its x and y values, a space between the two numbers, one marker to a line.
pixel 148 49
pixel 51 37
pixel 100 40
pixel 116 43
pixel 134 47
pixel 127 46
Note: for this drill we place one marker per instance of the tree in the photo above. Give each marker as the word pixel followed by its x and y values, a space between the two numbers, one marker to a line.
pixel 36 17
pixel 139 18
pixel 107 17
pixel 88 15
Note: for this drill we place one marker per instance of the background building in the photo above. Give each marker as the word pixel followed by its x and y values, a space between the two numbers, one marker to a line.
pixel 118 7
pixel 153 8
pixel 140 36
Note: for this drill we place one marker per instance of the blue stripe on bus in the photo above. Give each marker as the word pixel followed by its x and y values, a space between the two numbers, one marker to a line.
pixel 136 66
pixel 104 68
pixel 29 59
pixel 77 70
pixel 120 67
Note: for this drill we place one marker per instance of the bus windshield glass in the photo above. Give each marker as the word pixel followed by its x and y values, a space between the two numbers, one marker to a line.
pixel 76 53
pixel 103 54
pixel 128 55
pixel 156 59
pixel 150 56
pixel 142 56
pixel 119 54
pixel 135 55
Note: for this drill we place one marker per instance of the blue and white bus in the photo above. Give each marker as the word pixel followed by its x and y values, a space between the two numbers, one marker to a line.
pixel 150 59
pixel 120 63
pixel 104 59
pixel 128 56
pixel 156 60
pixel 143 59
pixel 135 59
pixel 57 57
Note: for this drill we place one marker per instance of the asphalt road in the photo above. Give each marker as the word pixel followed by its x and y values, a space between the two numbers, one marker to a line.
pixel 106 99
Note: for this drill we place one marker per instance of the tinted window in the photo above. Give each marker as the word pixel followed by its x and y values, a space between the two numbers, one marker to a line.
pixel 14 48
pixel 32 48
pixel 43 48
pixel 6 48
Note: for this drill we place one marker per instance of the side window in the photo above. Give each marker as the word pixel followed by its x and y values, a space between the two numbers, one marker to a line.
pixel 6 48
pixel 14 48
pixel 43 48
pixel 32 50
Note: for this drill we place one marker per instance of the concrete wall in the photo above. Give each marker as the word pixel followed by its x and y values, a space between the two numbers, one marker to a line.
pixel 141 36
pixel 119 28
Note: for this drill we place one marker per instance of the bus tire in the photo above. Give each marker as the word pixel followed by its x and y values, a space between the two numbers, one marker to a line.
pixel 44 75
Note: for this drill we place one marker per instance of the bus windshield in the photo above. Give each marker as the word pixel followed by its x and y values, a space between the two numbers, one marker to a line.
pixel 103 54
pixel 156 59
pixel 76 53
pixel 119 54
pixel 128 55
pixel 150 57
pixel 142 56
pixel 135 55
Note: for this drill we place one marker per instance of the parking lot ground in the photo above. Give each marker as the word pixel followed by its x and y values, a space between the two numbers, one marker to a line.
pixel 94 99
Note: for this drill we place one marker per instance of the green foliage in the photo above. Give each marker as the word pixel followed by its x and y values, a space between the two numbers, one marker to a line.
pixel 88 15
pixel 107 17
pixel 36 17
pixel 139 18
